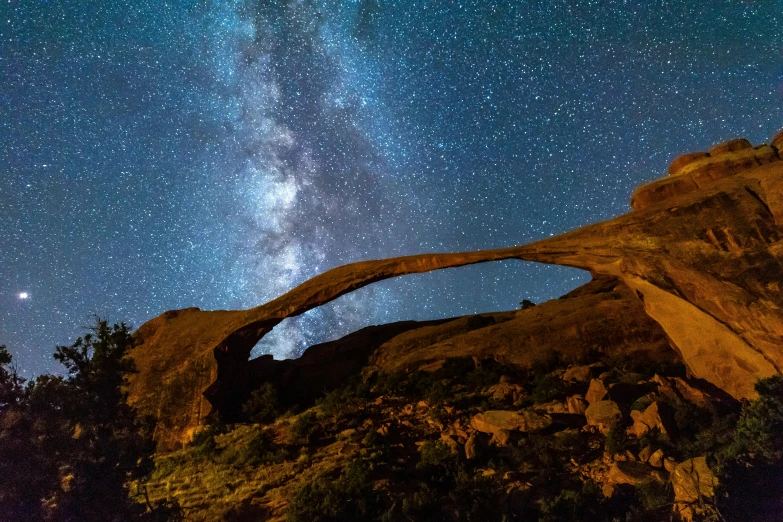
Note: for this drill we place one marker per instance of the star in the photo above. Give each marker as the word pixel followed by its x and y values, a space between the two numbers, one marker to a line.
pixel 161 156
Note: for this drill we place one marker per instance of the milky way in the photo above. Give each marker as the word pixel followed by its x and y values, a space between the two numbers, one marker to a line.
pixel 158 155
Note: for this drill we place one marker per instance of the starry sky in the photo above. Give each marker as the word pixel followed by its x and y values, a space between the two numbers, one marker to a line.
pixel 157 155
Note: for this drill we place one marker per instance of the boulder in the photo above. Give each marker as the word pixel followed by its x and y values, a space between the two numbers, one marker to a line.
pixel 493 421
pixel 553 407
pixel 766 154
pixel 627 393
pixel 500 438
pixel 451 442
pixel 603 415
pixel 777 141
pixel 656 459
pixel 649 419
pixel 678 164
pixel 631 472
pixel 578 374
pixel 730 146
pixel 576 404
pixel 694 487
pixel 597 391
pixel 506 391
pixel 471 447
pixel 645 453
pixel 691 394
pixel 678 389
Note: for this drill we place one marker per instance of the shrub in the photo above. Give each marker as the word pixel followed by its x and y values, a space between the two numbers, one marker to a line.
pixel 653 437
pixel 434 454
pixel 616 440
pixel 456 367
pixel 547 388
pixel 263 406
pixel 345 401
pixel 759 430
pixel 372 439
pixel 305 428
pixel 461 497
pixel 260 450
pixel 349 498
pixel 203 442
pixel 475 498
pixel 641 403
pixel 573 505
pixel 569 443
pixel 655 496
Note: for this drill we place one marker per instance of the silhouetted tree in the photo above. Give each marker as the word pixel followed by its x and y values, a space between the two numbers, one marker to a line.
pixel 72 445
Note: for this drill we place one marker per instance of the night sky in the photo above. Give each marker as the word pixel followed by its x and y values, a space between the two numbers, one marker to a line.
pixel 159 155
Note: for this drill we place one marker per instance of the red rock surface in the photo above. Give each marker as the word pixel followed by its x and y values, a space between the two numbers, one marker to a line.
pixel 699 259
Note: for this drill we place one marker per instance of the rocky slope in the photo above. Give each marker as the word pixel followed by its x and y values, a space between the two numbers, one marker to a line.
pixel 695 266
pixel 471 441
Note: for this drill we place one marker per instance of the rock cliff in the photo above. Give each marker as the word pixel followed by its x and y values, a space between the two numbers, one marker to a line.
pixel 696 266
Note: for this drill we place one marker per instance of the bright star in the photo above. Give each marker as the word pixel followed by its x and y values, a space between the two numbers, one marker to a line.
pixel 23 295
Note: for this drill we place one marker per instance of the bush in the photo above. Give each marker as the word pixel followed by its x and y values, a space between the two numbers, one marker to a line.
pixel 655 497
pixel 759 430
pixel 641 403
pixel 438 386
pixel 305 428
pixel 263 406
pixel 461 497
pixel 653 437
pixel 349 498
pixel 573 505
pixel 260 450
pixel 203 442
pixel 752 463
pixel 616 440
pixel 71 444
pixel 345 401
pixel 434 454
pixel 547 388
pixel 475 498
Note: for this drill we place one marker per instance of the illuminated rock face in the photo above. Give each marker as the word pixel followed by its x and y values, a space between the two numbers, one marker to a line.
pixel 697 263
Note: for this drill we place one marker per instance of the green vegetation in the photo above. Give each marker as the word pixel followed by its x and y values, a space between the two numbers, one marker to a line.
pixel 575 505
pixel 263 406
pixel 72 445
pixel 616 440
pixel 346 401
pixel 304 429
pixel 203 442
pixel 403 472
pixel 546 388
pixel 458 381
pixel 752 462
pixel 348 498
pixel 759 432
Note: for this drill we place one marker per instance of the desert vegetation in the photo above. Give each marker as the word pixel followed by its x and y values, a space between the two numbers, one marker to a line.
pixel 430 445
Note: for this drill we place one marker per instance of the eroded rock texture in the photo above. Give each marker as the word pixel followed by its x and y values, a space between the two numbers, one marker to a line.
pixel 697 265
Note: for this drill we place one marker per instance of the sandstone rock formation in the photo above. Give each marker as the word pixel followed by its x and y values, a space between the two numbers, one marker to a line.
pixel 632 473
pixel 694 487
pixel 603 415
pixel 650 418
pixel 494 421
pixel 700 255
